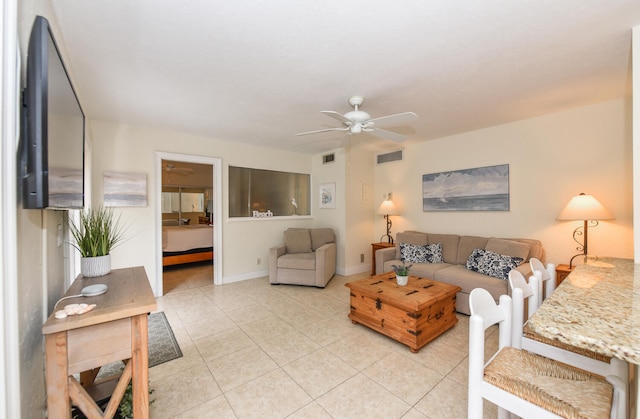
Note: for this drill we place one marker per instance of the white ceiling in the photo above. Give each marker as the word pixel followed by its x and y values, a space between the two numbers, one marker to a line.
pixel 261 71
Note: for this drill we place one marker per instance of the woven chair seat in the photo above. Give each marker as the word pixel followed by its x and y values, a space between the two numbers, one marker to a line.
pixel 562 389
pixel 528 333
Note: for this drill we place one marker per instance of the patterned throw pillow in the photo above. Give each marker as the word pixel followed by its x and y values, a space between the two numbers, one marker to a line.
pixel 473 261
pixel 493 264
pixel 414 253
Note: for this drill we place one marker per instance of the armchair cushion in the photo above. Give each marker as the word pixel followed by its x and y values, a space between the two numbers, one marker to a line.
pixel 320 237
pixel 297 241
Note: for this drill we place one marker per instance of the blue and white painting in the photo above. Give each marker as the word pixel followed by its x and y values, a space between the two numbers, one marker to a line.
pixel 478 189
pixel 125 189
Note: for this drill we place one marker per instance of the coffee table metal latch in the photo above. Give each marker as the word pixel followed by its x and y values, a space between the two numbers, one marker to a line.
pixel 378 304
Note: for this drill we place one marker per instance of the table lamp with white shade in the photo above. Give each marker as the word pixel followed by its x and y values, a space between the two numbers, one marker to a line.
pixel 388 208
pixel 589 210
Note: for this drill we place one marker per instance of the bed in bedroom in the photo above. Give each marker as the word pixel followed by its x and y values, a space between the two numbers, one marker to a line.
pixel 186 244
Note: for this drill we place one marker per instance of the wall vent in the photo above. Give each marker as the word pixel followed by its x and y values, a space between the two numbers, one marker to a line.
pixel 328 158
pixel 388 157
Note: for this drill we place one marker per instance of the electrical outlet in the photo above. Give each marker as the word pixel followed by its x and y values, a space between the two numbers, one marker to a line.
pixel 361 257
pixel 259 261
pixel 59 235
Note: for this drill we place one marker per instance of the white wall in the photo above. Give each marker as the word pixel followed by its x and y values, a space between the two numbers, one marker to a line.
pixel 124 148
pixel 551 159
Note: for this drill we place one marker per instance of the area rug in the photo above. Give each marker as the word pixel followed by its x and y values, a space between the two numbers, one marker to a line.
pixel 163 346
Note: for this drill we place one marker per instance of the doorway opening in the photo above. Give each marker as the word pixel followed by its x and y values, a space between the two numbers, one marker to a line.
pixel 188 214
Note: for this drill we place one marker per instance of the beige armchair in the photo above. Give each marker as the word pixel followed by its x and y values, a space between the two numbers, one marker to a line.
pixel 307 257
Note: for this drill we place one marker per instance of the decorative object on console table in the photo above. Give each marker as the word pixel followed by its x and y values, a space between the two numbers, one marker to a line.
pixel 374 248
pixel 589 210
pixel 562 271
pixel 98 231
pixel 388 208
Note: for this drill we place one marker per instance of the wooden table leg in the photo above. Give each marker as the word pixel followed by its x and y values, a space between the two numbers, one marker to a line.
pixel 140 366
pixel 56 370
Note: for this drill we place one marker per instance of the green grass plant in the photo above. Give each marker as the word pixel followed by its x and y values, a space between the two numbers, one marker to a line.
pixel 99 231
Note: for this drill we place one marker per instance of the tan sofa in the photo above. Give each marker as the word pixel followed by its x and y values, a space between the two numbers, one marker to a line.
pixel 455 253
pixel 307 257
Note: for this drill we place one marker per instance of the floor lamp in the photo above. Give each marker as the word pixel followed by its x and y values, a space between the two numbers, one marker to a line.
pixel 589 210
pixel 388 208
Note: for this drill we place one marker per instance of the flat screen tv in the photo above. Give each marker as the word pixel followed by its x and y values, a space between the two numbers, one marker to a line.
pixel 52 143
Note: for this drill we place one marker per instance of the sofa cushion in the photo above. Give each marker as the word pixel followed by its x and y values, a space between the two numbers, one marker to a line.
pixel 411 237
pixel 305 261
pixel 493 264
pixel 297 240
pixel 450 243
pixel 320 237
pixel 467 245
pixel 468 280
pixel 508 247
pixel 414 253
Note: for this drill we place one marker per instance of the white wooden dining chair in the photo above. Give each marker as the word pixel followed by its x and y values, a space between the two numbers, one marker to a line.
pixel 526 384
pixel 547 276
pixel 524 338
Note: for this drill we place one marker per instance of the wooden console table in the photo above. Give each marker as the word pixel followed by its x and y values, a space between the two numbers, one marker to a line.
pixel 115 330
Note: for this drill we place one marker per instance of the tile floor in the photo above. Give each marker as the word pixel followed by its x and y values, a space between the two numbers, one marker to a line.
pixel 253 350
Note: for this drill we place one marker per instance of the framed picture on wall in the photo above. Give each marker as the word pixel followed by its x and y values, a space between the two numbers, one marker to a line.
pixel 125 189
pixel 477 189
pixel 327 196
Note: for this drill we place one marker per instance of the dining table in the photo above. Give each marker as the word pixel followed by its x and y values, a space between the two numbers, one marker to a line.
pixel 597 307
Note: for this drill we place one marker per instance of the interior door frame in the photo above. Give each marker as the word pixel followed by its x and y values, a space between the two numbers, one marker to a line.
pixel 217 213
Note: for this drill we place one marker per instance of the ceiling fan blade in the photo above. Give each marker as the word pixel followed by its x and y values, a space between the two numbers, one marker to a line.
pixel 322 130
pixel 394 120
pixel 339 117
pixel 387 135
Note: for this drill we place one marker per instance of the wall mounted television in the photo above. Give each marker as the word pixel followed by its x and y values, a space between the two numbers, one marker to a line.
pixel 52 137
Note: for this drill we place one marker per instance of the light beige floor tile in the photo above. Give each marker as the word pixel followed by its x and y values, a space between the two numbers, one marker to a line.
pixel 275 393
pixel 288 347
pixel 447 400
pixel 460 374
pixel 181 391
pixel 311 411
pixel 361 397
pixel 190 359
pixel 207 326
pixel 360 349
pixel 223 343
pixel 319 372
pixel 248 313
pixel 439 356
pixel 240 367
pixel 329 330
pixel 266 328
pixel 218 407
pixel 403 377
pixel 416 414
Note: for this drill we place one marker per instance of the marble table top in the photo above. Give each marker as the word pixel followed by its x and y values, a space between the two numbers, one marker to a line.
pixel 596 307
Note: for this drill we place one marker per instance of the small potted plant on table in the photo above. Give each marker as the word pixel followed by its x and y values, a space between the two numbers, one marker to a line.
pixel 402 273
pixel 98 231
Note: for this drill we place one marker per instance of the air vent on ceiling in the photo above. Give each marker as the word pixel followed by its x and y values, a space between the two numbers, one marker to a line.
pixel 328 158
pixel 387 157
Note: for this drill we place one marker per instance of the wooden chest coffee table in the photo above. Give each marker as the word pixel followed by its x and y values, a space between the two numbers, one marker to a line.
pixel 413 315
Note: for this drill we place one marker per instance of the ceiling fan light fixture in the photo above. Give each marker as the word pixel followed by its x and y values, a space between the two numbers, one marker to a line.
pixel 356 129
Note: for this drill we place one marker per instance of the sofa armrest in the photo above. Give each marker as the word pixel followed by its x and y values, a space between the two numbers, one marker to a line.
pixel 274 253
pixel 325 263
pixel 383 255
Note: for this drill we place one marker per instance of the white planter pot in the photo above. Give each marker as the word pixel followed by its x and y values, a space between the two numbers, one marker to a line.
pixel 95 266
pixel 402 280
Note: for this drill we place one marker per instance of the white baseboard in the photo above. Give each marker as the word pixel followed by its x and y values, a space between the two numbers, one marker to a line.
pixel 245 276
pixel 352 270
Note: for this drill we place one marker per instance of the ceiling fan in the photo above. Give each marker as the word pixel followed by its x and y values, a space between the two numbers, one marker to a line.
pixel 182 171
pixel 357 121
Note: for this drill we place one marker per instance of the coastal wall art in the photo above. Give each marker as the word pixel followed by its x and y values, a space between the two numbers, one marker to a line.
pixel 125 189
pixel 327 195
pixel 477 189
